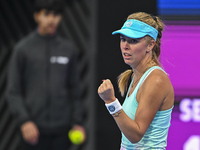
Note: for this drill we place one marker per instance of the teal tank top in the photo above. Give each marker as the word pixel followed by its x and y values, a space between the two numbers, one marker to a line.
pixel 155 137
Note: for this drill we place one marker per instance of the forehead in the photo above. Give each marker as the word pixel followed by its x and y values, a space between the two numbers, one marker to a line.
pixel 46 11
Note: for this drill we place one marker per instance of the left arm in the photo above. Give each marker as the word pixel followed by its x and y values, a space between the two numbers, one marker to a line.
pixel 77 117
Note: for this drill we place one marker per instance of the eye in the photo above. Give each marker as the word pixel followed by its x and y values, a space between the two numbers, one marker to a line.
pixel 122 39
pixel 133 41
pixel 55 14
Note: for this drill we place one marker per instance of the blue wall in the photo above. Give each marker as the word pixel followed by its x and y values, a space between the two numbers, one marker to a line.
pixel 178 7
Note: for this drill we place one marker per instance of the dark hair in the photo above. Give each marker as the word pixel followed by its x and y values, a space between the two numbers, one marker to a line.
pixel 51 5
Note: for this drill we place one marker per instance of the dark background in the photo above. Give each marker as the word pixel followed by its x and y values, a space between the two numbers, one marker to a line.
pixel 89 23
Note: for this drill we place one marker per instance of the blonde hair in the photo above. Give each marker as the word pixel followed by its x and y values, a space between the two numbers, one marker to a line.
pixel 155 22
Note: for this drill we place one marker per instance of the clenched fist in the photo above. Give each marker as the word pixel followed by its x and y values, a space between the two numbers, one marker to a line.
pixel 106 91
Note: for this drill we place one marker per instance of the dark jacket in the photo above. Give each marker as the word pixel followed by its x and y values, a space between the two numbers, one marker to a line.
pixel 43 83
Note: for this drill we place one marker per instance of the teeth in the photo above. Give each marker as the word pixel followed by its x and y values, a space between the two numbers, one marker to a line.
pixel 126 54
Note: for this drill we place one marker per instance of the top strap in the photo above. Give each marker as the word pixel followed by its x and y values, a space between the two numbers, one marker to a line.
pixel 146 74
pixel 143 78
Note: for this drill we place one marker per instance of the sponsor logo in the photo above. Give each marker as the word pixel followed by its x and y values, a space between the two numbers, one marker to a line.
pixel 111 108
pixel 129 24
pixel 59 60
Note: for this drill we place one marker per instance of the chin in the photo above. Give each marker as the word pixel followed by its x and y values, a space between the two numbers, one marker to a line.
pixel 51 32
pixel 129 63
pixel 126 62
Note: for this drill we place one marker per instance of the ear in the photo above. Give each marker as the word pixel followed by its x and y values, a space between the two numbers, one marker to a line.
pixel 151 45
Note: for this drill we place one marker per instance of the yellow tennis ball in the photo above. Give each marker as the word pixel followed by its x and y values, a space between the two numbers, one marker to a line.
pixel 76 137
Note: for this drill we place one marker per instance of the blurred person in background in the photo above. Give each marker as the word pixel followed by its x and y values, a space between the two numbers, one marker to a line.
pixel 43 92
pixel 145 117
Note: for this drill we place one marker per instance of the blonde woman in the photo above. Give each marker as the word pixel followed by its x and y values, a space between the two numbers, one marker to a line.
pixel 144 118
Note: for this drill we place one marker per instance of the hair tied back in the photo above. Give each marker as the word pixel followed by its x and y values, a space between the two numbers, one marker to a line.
pixel 154 18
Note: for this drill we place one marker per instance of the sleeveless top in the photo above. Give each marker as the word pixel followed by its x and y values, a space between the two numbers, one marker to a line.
pixel 155 137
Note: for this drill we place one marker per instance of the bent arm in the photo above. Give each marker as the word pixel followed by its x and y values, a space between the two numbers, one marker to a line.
pixel 152 93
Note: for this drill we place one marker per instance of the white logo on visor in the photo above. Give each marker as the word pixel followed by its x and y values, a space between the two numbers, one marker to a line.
pixel 128 24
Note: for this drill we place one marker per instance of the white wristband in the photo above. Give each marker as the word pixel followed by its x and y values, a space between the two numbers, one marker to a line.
pixel 114 107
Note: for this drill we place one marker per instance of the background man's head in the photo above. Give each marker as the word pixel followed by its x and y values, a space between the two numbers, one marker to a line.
pixel 48 14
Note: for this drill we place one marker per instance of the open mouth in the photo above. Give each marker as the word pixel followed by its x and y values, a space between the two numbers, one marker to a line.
pixel 126 54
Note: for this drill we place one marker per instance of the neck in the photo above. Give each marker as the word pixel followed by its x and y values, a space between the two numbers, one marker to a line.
pixel 43 33
pixel 140 69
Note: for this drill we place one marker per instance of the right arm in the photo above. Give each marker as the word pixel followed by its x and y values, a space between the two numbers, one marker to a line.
pixel 15 98
pixel 14 91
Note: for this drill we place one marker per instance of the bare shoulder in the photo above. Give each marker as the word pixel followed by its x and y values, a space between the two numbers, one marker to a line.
pixel 157 86
pixel 156 80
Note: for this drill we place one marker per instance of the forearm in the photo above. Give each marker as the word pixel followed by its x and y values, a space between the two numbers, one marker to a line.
pixel 77 112
pixel 14 89
pixel 17 108
pixel 75 92
pixel 129 127
pixel 77 103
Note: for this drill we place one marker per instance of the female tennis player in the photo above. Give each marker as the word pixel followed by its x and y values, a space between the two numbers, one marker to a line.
pixel 144 118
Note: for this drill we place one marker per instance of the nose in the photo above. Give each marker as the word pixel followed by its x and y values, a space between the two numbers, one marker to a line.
pixel 50 18
pixel 125 45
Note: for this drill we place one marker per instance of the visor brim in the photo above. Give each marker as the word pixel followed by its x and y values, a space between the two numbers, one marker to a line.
pixel 130 33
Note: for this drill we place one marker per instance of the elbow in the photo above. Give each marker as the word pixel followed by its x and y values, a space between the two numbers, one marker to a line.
pixel 133 141
pixel 136 139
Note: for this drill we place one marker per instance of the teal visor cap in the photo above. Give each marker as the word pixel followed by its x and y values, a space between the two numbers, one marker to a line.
pixel 136 29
